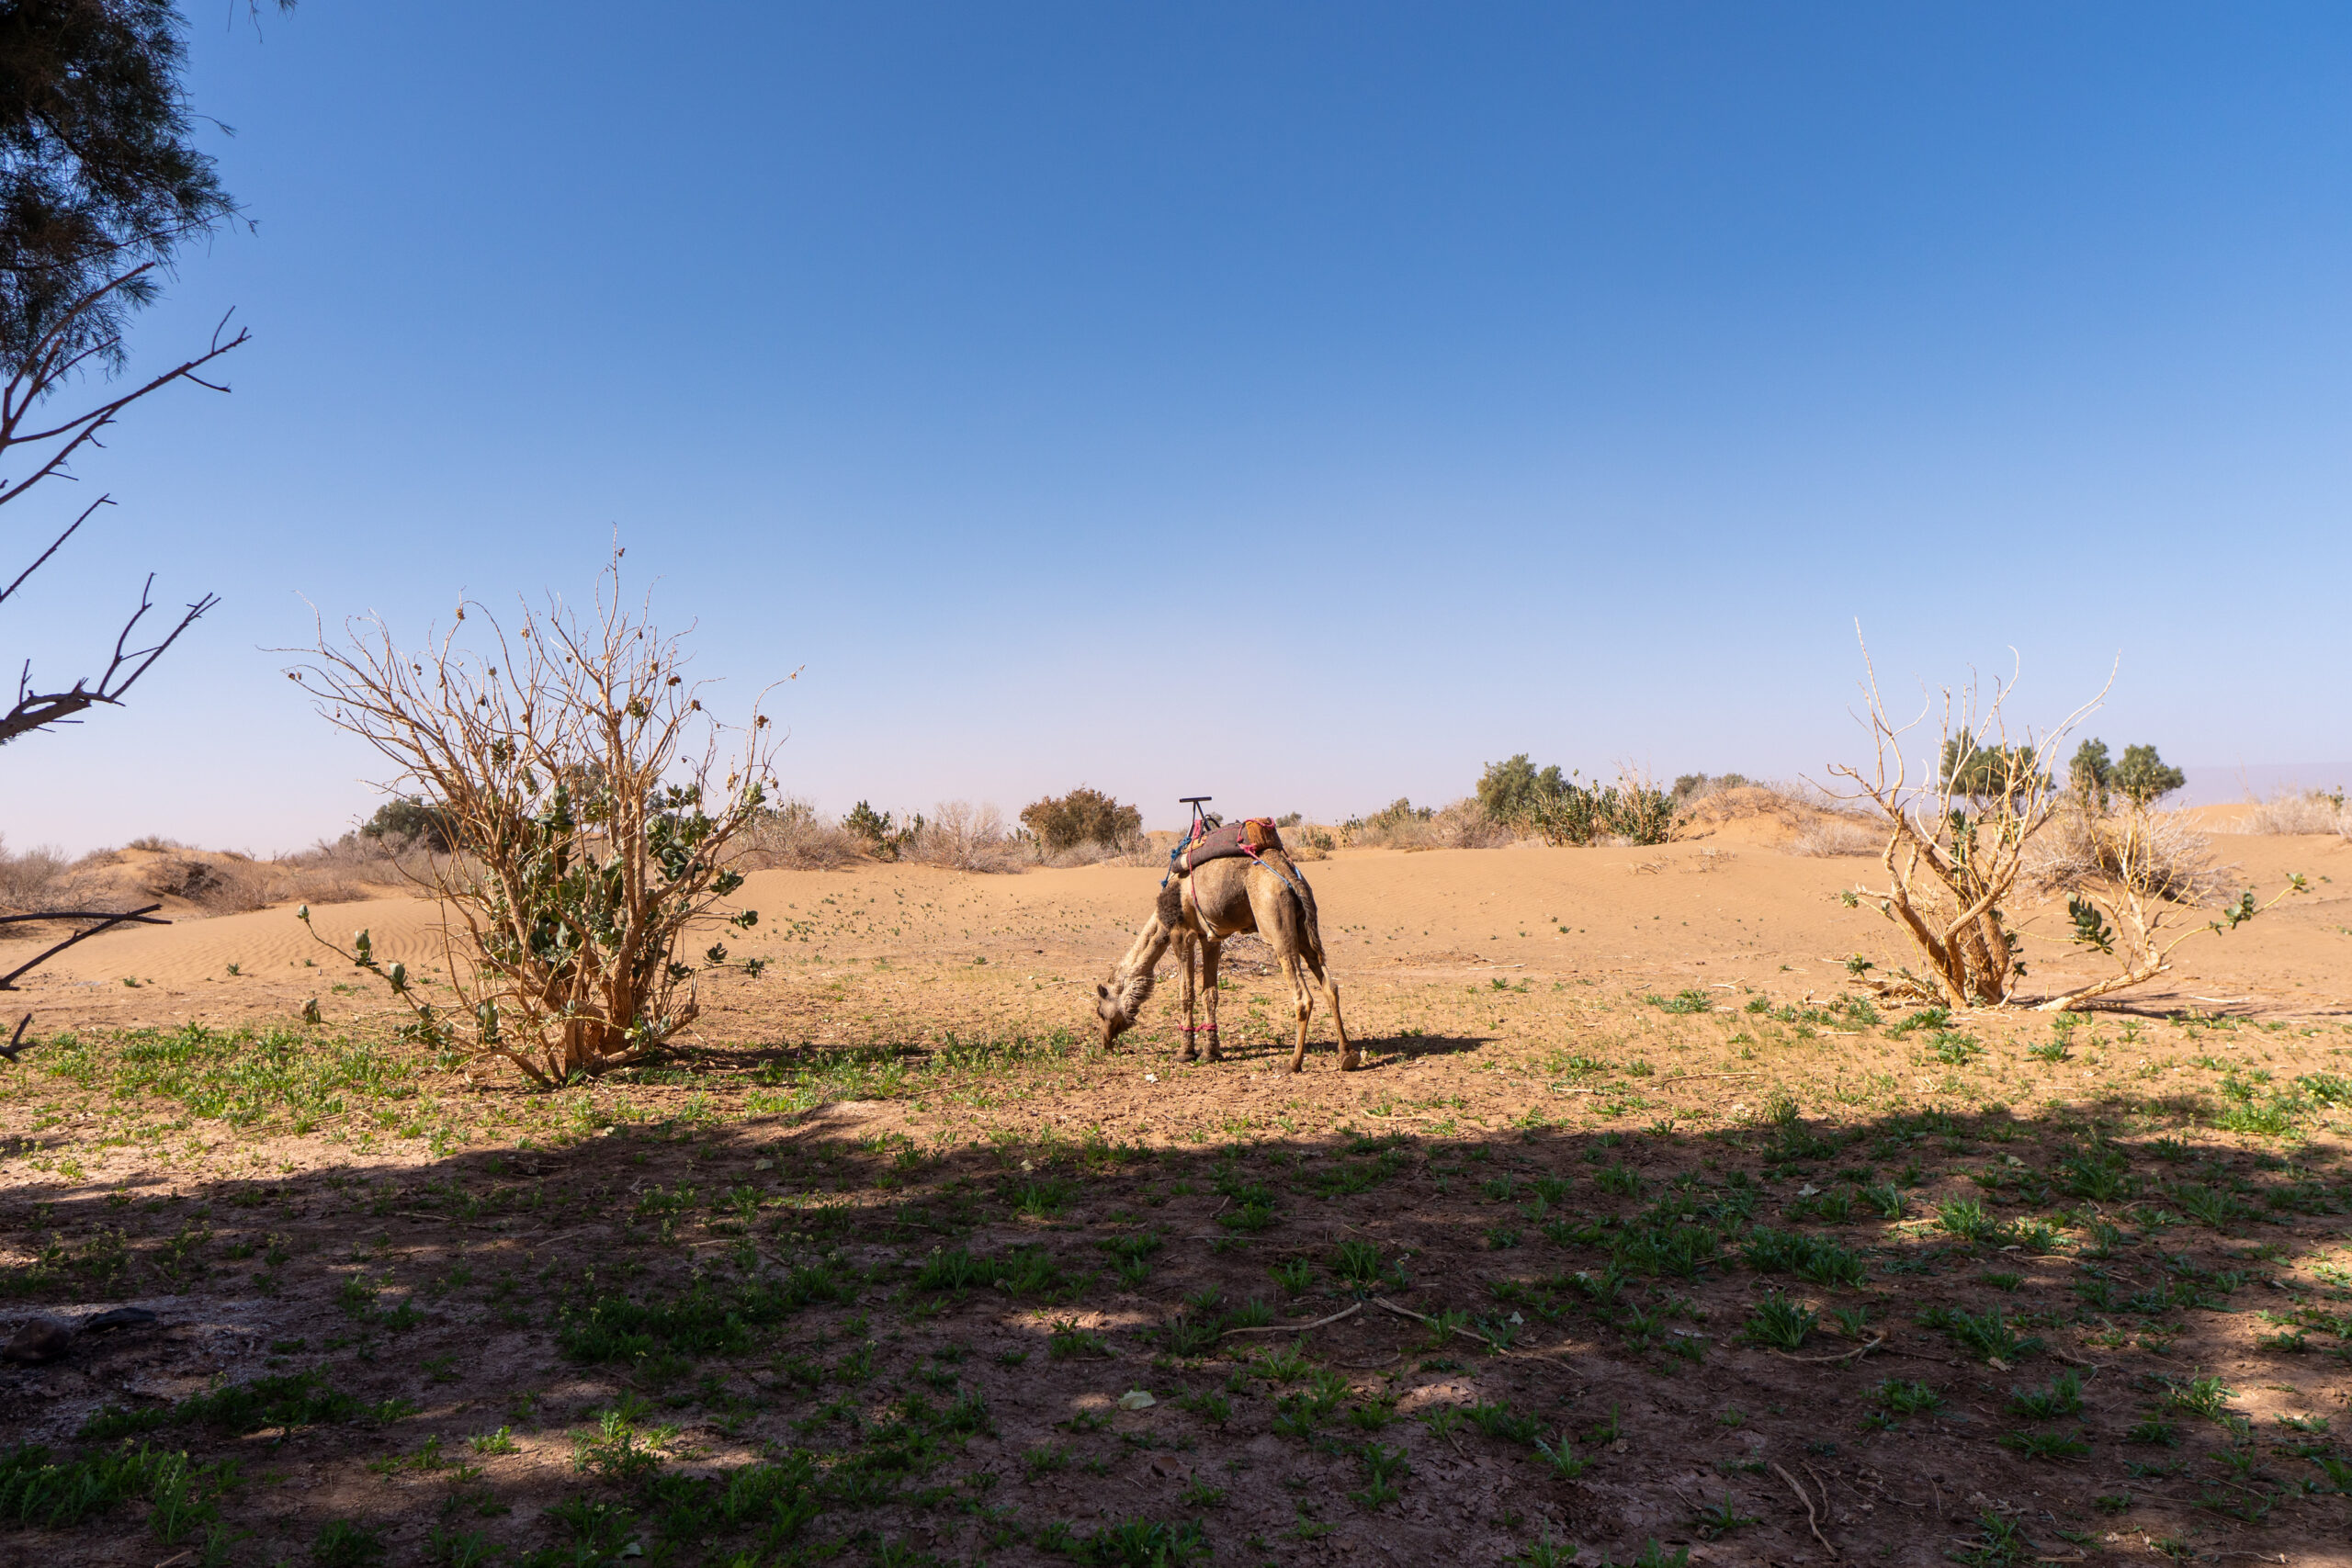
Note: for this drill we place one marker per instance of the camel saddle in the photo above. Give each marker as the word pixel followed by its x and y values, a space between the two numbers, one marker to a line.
pixel 1235 839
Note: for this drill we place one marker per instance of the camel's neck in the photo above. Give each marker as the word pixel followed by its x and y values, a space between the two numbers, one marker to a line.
pixel 1131 982
pixel 1149 948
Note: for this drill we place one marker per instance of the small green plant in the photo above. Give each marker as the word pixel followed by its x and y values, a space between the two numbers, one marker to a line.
pixel 1545 1553
pixel 1779 1323
pixel 2204 1396
pixel 1296 1276
pixel 2046 1445
pixel 2062 1395
pixel 1382 1467
pixel 1066 1340
pixel 1906 1398
pixel 1564 1461
pixel 1965 1219
pixel 346 1543
pixel 1989 1335
pixel 1714 1523
pixel 1999 1543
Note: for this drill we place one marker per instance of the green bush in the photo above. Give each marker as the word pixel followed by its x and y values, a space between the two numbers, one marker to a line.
pixel 884 839
pixel 1084 816
pixel 406 819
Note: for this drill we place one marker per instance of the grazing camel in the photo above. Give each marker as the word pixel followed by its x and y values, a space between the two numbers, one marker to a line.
pixel 1224 899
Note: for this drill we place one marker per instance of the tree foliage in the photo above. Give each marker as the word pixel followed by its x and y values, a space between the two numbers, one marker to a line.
pixel 101 186
pixel 1084 816
pixel 1980 771
pixel 2140 775
pixel 1511 789
pixel 405 819
pixel 99 173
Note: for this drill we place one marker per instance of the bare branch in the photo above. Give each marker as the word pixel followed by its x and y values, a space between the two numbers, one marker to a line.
pixel 38 710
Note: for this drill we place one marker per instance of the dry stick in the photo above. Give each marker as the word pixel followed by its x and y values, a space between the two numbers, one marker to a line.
pixel 1810 1522
pixel 1466 1334
pixel 1845 1356
pixel 1690 1077
pixel 1298 1328
pixel 2073 1361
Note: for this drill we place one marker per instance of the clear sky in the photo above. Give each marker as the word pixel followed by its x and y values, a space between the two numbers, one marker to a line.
pixel 1298 405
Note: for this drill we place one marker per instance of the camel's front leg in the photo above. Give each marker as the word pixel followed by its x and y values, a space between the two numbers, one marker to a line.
pixel 1211 948
pixel 1184 956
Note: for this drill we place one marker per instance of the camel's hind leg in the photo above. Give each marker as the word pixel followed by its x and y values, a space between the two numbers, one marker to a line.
pixel 1283 923
pixel 1349 1058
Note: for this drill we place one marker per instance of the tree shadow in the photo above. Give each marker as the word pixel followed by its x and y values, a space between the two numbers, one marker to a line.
pixel 732 1341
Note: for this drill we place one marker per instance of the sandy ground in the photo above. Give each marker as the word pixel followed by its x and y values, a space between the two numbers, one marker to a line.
pixel 1683 914
pixel 911 1077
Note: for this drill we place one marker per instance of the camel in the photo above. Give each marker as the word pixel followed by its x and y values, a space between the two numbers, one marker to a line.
pixel 1219 900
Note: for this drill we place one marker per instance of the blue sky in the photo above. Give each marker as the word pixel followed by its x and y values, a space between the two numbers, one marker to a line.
pixel 1299 404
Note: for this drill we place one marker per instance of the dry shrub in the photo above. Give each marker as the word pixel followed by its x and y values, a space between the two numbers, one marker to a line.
pixel 2300 811
pixel 1956 840
pixel 30 878
pixel 1467 825
pixel 350 868
pixel 1399 825
pixel 963 837
pixel 1828 835
pixel 598 807
pixel 795 837
pixel 219 884
pixel 2128 877
pixel 1134 851
pixel 2168 859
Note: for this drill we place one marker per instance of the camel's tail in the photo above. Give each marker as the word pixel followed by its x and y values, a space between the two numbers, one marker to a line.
pixel 1306 897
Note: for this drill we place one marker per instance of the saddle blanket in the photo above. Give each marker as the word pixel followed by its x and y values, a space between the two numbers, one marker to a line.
pixel 1253 838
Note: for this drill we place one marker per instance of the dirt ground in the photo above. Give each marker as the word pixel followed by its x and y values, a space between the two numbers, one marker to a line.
pixel 1637 1236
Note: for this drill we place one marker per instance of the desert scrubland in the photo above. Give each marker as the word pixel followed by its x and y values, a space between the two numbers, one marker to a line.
pixel 1644 1230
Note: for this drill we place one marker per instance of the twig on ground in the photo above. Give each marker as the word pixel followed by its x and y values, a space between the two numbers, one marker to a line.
pixel 1297 1327
pixel 1843 1356
pixel 1811 1522
pixel 2073 1361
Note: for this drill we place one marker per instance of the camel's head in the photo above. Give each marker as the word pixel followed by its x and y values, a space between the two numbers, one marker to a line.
pixel 1119 1001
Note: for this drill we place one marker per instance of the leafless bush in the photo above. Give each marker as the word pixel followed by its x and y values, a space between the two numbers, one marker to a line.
pixel 2300 811
pixel 1137 851
pixel 2128 878
pixel 2169 860
pixel 1468 825
pixel 29 878
pixel 1955 840
pixel 1399 825
pixel 1827 836
pixel 963 837
pixel 343 869
pixel 794 836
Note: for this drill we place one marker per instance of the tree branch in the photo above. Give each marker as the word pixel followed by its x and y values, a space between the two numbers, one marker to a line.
pixel 38 710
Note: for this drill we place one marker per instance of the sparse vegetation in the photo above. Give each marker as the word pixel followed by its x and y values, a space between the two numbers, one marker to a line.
pixel 584 779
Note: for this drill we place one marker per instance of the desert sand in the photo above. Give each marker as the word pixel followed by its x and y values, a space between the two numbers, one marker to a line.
pixel 1725 909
